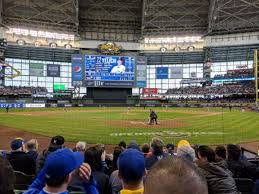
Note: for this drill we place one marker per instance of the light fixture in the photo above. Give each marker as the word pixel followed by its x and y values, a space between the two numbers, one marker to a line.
pixel 177 49
pixel 190 48
pixel 68 46
pixel 53 45
pixel 20 42
pixel 163 49
pixel 37 43
pixel 41 34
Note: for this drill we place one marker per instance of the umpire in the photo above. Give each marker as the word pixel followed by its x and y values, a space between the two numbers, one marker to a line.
pixel 153 117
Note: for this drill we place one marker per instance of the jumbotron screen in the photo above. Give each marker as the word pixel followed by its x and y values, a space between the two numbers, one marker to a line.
pixel 109 71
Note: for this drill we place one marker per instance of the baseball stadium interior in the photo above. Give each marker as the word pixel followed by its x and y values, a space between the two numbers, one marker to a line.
pixel 129 96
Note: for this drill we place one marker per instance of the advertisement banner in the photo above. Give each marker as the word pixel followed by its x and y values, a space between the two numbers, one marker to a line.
pixel 177 72
pixel 57 87
pixel 35 105
pixel 141 72
pixel 11 105
pixel 77 70
pixel 36 69
pixel 53 70
pixel 150 91
pixel 162 73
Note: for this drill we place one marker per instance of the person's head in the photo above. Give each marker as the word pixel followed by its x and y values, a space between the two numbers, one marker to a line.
pixel 56 142
pixel 157 146
pixel 93 158
pixel 119 62
pixel 170 148
pixel 145 148
pixel 221 153
pixel 131 165
pixel 116 153
pixel 122 145
pixel 17 144
pixel 7 177
pixel 187 153
pixel 80 146
pixel 206 154
pixel 183 143
pixel 59 166
pixel 133 144
pixel 173 175
pixel 32 145
pixel 233 152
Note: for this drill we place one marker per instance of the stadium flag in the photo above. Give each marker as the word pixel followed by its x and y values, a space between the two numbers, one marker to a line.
pixel 162 73
pixel 141 72
pixel 77 70
pixel 177 72
pixel 53 70
pixel 36 69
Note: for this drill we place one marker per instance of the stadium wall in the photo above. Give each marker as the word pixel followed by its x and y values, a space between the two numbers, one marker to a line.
pixel 223 59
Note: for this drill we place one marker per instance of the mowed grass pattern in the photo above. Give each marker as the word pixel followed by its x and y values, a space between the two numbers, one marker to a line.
pixel 200 126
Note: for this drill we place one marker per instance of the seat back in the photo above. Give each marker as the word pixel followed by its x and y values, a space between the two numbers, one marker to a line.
pixel 22 181
pixel 244 185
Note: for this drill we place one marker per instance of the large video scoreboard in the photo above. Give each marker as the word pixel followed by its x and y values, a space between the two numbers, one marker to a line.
pixel 108 71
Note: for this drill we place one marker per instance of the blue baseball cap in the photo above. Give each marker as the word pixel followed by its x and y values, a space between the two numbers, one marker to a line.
pixel 131 165
pixel 17 143
pixel 61 162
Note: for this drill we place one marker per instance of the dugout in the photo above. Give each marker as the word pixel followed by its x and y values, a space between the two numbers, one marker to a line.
pixel 109 95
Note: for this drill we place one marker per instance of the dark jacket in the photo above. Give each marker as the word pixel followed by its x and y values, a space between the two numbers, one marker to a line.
pixel 43 156
pixel 7 177
pixel 102 181
pixel 150 161
pixel 242 169
pixel 33 155
pixel 22 162
pixel 219 180
pixel 41 160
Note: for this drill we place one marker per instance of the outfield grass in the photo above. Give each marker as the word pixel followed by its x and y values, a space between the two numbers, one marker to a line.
pixel 110 125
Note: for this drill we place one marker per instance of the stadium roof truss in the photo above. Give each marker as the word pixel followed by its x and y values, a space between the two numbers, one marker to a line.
pixel 132 20
pixel 60 15
pixel 233 16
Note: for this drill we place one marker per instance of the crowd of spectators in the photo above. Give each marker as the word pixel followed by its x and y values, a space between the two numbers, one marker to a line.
pixel 131 169
pixel 214 90
pixel 230 99
pixel 18 90
pixel 238 73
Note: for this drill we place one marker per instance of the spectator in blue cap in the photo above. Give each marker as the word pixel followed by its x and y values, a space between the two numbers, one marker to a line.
pixel 131 164
pixel 57 173
pixel 20 160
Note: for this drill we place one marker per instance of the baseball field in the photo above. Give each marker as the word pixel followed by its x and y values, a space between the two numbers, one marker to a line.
pixel 111 125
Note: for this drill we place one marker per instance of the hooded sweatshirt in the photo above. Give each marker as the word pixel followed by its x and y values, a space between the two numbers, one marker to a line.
pixel 219 180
